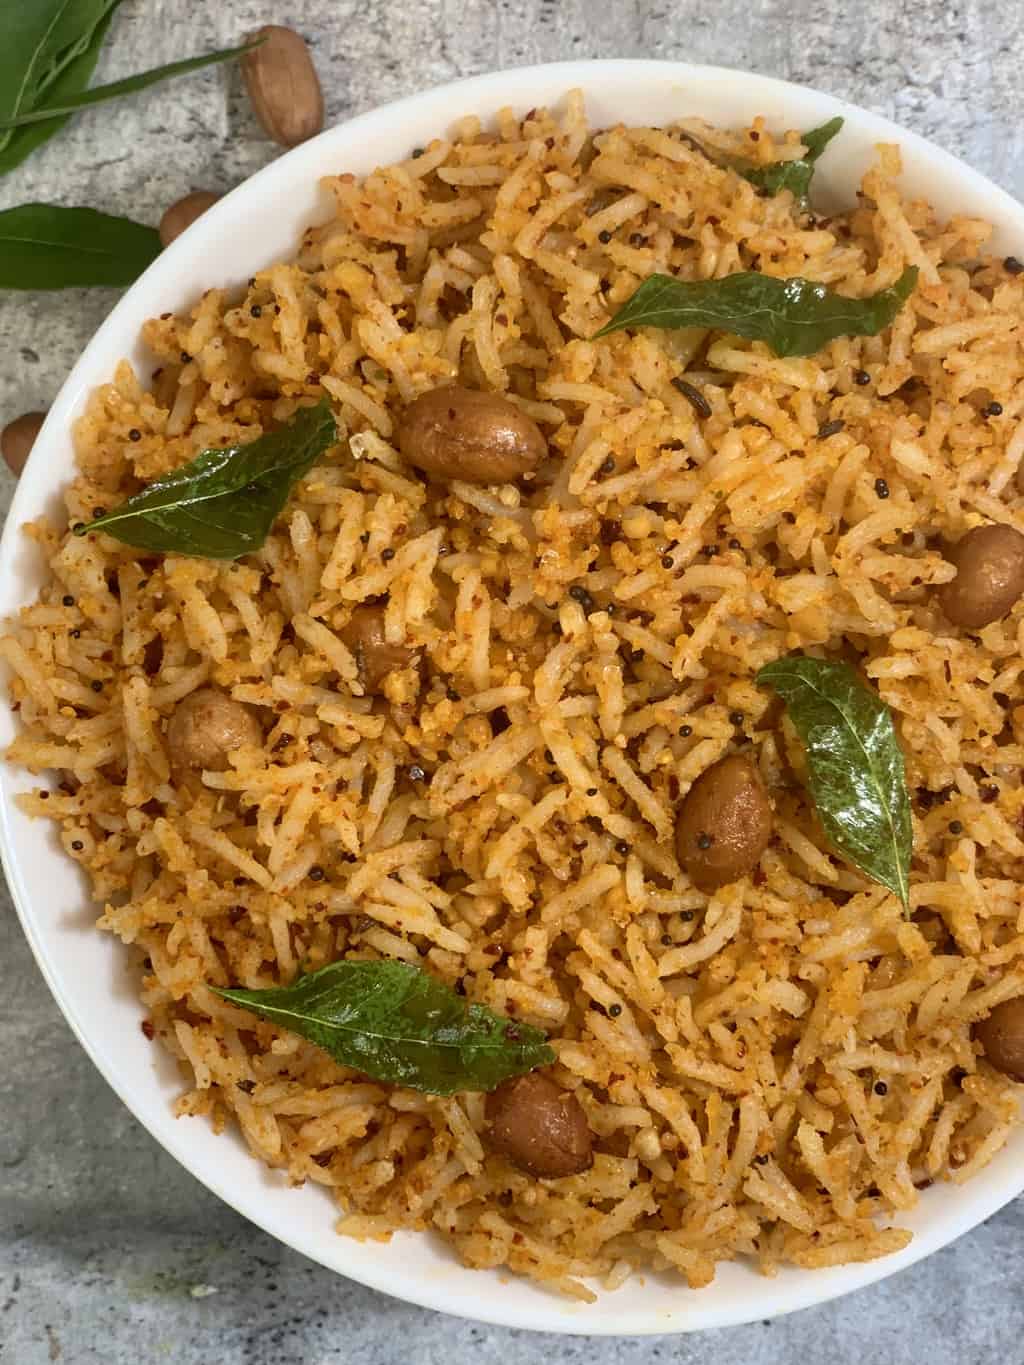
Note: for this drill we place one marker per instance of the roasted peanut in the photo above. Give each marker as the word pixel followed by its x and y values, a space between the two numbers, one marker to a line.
pixel 540 1127
pixel 206 727
pixel 364 635
pixel 1001 1035
pixel 989 576
pixel 457 433
pixel 18 438
pixel 283 86
pixel 183 213
pixel 724 824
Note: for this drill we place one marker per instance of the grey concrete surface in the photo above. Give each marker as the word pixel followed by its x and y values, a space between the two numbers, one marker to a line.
pixel 103 1237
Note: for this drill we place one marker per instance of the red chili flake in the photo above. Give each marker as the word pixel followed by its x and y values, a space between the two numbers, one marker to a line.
pixel 148 1029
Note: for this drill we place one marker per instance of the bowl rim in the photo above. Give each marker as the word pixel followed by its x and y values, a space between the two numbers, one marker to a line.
pixel 423 109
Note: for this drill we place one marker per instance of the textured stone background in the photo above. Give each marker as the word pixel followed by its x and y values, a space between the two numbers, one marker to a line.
pixel 102 1235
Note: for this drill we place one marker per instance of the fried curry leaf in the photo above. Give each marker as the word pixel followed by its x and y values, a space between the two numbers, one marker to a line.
pixel 794 316
pixel 855 766
pixel 793 175
pixel 223 503
pixel 398 1024
pixel 48 246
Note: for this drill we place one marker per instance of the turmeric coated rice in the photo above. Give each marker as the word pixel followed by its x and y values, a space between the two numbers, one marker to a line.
pixel 769 1070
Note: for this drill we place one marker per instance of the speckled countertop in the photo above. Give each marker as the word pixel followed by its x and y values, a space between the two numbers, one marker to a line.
pixel 103 1238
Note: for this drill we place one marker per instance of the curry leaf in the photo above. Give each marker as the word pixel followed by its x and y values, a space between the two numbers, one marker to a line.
pixel 818 138
pixel 794 316
pixel 44 246
pixel 793 175
pixel 40 39
pixel 398 1024
pixel 70 76
pixel 855 766
pixel 223 503
pixel 52 108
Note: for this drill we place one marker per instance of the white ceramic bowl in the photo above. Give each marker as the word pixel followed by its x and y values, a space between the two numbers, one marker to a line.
pixel 258 223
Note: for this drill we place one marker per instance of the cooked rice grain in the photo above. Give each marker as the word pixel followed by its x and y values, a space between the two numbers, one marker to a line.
pixel 727 1049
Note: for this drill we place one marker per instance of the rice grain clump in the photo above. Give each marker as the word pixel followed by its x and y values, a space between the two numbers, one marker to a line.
pixel 462 716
